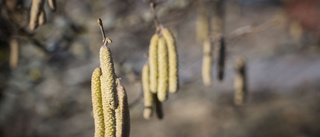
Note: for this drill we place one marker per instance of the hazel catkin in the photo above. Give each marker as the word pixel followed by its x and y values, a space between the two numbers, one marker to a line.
pixel 14 53
pixel 97 103
pixel 122 112
pixel 108 77
pixel 162 70
pixel 153 63
pixel 172 59
pixel 108 91
pixel 240 82
pixel 148 100
pixel 52 5
pixel 36 8
pixel 42 17
pixel 206 62
pixel 202 26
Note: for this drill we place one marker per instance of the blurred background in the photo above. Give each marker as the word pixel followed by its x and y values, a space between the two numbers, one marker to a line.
pixel 45 74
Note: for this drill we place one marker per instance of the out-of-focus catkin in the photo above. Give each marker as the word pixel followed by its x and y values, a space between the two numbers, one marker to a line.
pixel 148 100
pixel 173 60
pixel 153 63
pixel 240 81
pixel 36 8
pixel 108 77
pixel 206 62
pixel 97 103
pixel 122 113
pixel 202 26
pixel 162 70
pixel 14 53
pixel 42 17
pixel 52 5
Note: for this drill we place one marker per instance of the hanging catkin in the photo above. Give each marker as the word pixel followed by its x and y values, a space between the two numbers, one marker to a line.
pixel 97 103
pixel 221 59
pixel 206 62
pixel 42 17
pixel 52 5
pixel 148 100
pixel 240 83
pixel 202 25
pixel 108 89
pixel 173 60
pixel 162 70
pixel 36 8
pixel 122 113
pixel 108 76
pixel 14 53
pixel 153 63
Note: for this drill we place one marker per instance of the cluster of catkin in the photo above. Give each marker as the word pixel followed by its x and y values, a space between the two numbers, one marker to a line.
pixel 207 27
pixel 109 99
pixel 160 73
pixel 37 12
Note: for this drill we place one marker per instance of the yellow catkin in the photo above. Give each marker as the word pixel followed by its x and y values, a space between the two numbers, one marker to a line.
pixel 162 70
pixel 202 26
pixel 240 81
pixel 42 17
pixel 108 77
pixel 158 106
pixel 206 63
pixel 97 103
pixel 153 63
pixel 122 113
pixel 221 58
pixel 36 7
pixel 148 100
pixel 14 53
pixel 52 5
pixel 173 60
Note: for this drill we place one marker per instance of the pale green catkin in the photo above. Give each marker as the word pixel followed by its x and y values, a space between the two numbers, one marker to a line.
pixel 206 63
pixel 108 90
pixel 36 8
pixel 108 77
pixel 173 60
pixel 122 113
pixel 240 83
pixel 97 103
pixel 153 63
pixel 162 70
pixel 148 100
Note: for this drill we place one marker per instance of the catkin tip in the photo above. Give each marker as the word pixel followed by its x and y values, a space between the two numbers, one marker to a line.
pixel 147 113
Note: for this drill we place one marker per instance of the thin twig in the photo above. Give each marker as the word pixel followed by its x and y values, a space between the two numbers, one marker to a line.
pixel 155 17
pixel 105 40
